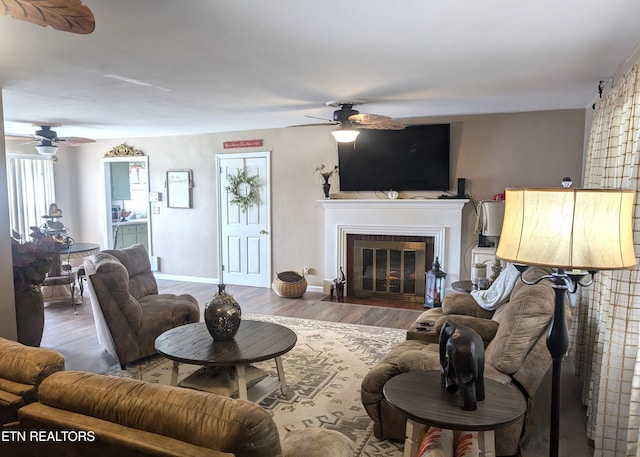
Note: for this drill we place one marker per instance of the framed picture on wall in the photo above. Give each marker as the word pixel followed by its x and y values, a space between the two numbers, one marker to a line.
pixel 179 185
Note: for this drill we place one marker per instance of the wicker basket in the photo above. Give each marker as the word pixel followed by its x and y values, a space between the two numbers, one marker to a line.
pixel 289 284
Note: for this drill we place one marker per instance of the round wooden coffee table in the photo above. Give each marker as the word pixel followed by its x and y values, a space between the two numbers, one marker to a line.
pixel 255 341
pixel 419 395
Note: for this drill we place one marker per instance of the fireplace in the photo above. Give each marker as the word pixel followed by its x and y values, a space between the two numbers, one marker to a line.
pixel 391 266
pixel 436 222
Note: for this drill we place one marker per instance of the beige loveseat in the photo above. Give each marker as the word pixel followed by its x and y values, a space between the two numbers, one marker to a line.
pixel 108 416
pixel 128 311
pixel 515 353
pixel 22 369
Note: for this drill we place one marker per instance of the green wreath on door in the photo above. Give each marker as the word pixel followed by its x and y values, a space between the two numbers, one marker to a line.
pixel 243 189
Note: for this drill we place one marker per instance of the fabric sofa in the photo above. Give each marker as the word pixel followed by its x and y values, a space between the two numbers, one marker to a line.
pixel 126 417
pixel 515 353
pixel 128 311
pixel 22 369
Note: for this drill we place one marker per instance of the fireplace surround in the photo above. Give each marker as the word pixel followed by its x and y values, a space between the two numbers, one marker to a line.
pixel 436 219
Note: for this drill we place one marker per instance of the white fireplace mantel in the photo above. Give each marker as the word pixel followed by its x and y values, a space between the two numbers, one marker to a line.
pixel 438 218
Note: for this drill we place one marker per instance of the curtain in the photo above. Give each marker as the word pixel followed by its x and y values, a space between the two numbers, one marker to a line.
pixel 608 315
pixel 31 191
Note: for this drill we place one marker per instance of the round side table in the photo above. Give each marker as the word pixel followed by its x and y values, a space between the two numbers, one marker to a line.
pixel 462 286
pixel 419 396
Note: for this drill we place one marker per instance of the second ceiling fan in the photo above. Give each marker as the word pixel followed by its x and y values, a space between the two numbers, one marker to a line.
pixel 47 140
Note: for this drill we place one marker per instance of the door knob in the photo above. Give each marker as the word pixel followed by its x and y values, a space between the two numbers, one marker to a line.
pixel 263 232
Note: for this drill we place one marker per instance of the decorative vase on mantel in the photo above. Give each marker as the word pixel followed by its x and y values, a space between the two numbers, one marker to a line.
pixel 222 315
pixel 29 315
pixel 326 186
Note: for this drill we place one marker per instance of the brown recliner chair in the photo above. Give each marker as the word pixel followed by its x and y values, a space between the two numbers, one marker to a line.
pixel 127 309
pixel 515 353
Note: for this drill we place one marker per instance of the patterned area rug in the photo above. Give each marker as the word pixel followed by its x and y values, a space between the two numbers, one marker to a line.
pixel 323 373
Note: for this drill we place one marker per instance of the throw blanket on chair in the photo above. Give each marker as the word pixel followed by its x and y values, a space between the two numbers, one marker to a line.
pixel 499 292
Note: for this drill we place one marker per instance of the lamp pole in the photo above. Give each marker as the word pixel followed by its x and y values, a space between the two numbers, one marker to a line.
pixel 558 340
pixel 558 345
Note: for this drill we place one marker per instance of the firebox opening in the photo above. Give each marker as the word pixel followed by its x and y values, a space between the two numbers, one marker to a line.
pixel 390 266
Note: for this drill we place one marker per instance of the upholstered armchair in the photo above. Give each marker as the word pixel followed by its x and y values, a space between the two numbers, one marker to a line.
pixel 128 311
pixel 515 354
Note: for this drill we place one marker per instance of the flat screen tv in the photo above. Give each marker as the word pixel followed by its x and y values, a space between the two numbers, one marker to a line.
pixel 416 158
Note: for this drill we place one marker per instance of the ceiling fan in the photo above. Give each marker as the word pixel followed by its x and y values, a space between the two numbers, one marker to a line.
pixel 65 15
pixel 48 140
pixel 349 119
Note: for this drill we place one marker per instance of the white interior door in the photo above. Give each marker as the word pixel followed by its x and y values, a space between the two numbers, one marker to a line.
pixel 245 243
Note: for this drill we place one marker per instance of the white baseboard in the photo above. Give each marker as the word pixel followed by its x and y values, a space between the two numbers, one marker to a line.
pixel 186 278
pixel 212 280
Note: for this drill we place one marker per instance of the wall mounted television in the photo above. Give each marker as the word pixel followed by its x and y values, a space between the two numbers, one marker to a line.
pixel 413 159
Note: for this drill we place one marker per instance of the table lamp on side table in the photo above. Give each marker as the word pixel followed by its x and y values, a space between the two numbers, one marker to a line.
pixel 576 232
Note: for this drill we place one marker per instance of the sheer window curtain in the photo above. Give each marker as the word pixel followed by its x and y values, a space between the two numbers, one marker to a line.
pixel 607 326
pixel 31 191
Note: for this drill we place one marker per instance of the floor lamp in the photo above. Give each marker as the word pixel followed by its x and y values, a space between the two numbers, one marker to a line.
pixel 576 232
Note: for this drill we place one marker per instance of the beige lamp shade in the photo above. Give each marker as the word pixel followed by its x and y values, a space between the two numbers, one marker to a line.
pixel 586 229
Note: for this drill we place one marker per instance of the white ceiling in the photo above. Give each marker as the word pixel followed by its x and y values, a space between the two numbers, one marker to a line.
pixel 155 68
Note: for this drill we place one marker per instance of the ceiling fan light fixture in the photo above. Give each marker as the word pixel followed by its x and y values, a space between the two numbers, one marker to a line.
pixel 342 135
pixel 47 150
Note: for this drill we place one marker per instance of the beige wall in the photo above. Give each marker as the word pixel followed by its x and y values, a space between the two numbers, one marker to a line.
pixel 7 304
pixel 491 151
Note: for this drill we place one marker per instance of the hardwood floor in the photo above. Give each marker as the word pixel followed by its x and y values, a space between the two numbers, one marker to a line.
pixel 75 337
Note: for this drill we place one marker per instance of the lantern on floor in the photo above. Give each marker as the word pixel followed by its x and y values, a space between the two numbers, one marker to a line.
pixel 435 279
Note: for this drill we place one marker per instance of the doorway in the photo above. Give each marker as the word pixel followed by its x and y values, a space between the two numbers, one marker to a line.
pixel 126 202
pixel 245 239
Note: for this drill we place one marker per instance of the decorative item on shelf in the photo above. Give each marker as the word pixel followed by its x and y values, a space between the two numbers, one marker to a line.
pixel 289 284
pixel 243 189
pixel 478 272
pixel 124 214
pixel 484 283
pixel 496 269
pixel 393 194
pixel 31 263
pixel 462 363
pixel 326 175
pixel 222 315
pixel 337 285
pixel 54 211
pixel 435 285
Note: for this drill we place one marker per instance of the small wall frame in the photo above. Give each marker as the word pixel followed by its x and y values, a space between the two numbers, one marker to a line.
pixel 179 184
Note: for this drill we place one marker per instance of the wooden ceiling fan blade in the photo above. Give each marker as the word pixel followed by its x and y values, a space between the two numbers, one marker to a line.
pixel 18 137
pixel 366 119
pixel 72 141
pixel 315 124
pixel 66 15
pixel 321 118
pixel 386 125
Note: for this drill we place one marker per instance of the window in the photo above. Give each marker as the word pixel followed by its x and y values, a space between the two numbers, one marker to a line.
pixel 31 190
